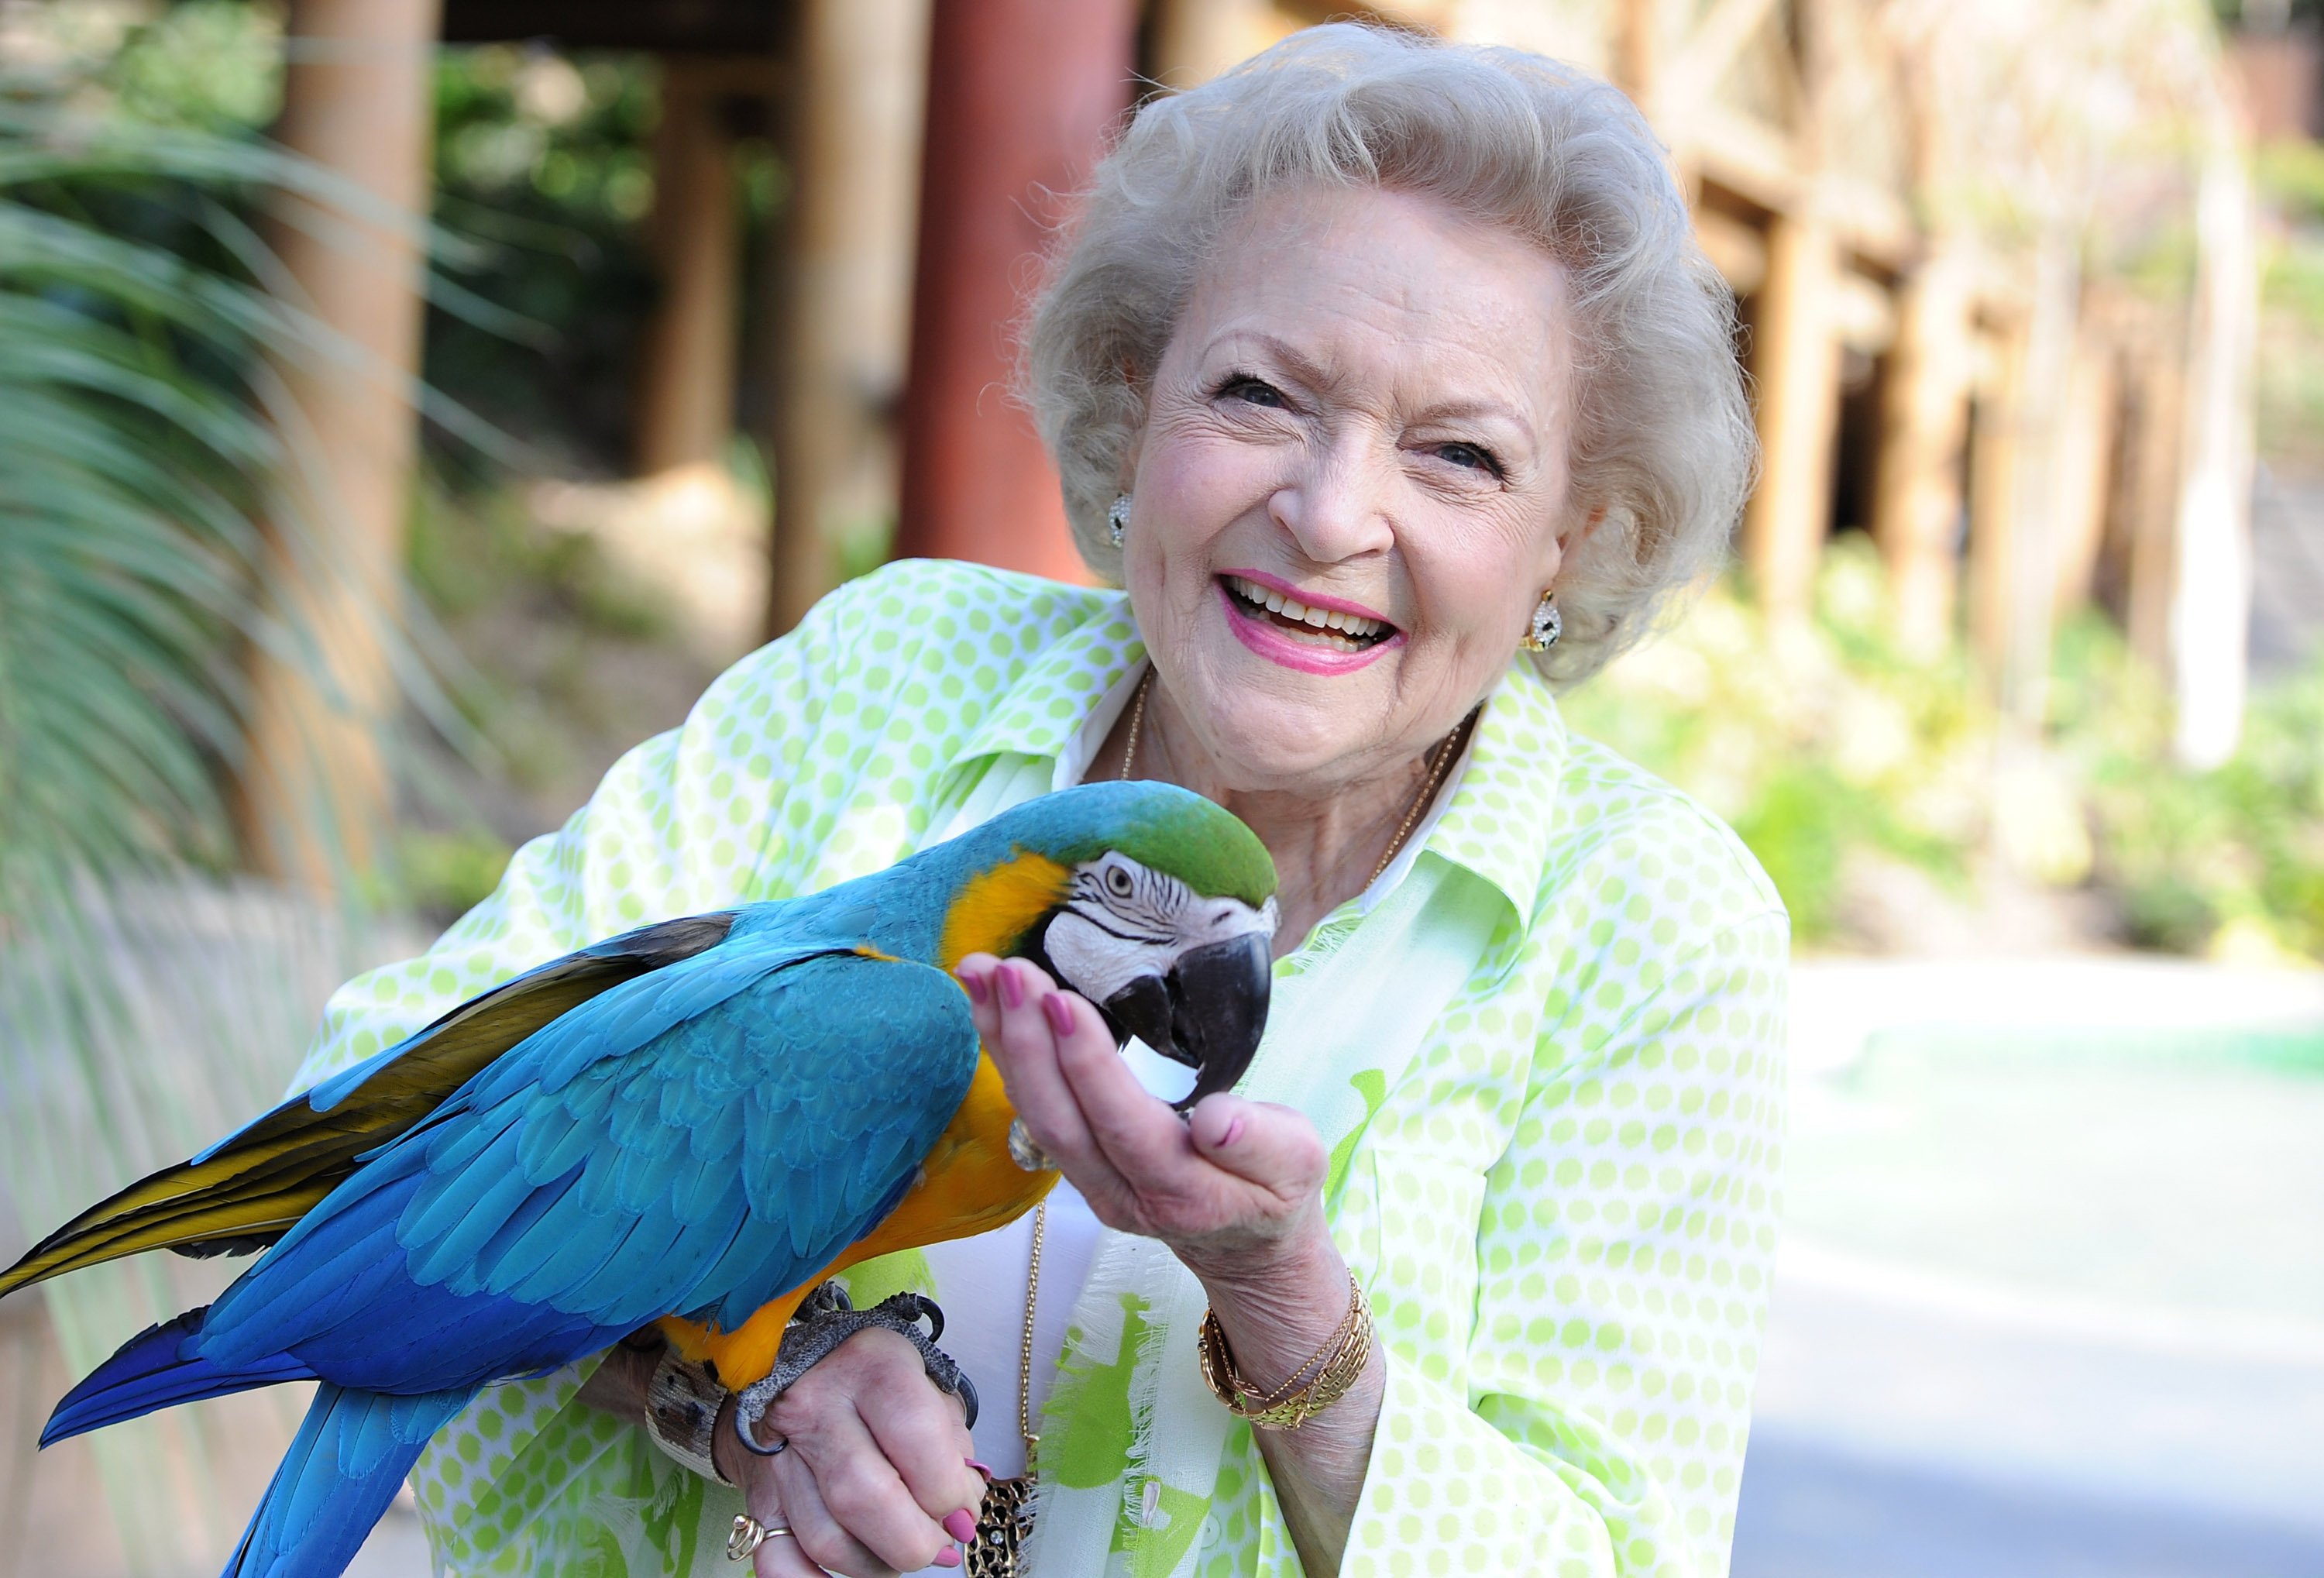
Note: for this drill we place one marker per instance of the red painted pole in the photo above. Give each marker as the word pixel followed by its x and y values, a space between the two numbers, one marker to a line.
pixel 1021 97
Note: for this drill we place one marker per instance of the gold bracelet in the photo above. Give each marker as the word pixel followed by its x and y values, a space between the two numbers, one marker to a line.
pixel 1326 1377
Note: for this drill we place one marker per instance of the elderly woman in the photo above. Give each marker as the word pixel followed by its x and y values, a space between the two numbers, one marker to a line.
pixel 1385 379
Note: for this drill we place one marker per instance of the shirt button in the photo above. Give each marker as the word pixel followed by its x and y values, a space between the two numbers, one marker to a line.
pixel 1211 1531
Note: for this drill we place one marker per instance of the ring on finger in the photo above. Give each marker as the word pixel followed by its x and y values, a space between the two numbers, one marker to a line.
pixel 748 1533
pixel 1026 1152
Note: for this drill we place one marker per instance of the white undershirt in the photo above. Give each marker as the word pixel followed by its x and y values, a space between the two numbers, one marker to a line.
pixel 981 1281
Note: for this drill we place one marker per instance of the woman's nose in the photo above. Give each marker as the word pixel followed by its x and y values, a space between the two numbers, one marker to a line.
pixel 1338 506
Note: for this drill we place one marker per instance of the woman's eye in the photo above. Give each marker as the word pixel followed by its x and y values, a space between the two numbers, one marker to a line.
pixel 1469 456
pixel 1252 392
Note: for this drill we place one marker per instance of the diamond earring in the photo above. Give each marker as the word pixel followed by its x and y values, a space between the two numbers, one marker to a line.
pixel 1116 518
pixel 1546 627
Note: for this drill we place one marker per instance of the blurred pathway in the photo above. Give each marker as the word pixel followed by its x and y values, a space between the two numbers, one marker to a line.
pixel 2051 1299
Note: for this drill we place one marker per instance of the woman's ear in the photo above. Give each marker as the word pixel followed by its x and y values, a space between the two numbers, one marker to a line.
pixel 1569 540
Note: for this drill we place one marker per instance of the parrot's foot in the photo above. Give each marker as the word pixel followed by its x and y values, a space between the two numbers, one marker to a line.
pixel 824 1320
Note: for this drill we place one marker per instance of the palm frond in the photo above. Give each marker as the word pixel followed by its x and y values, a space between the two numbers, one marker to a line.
pixel 159 506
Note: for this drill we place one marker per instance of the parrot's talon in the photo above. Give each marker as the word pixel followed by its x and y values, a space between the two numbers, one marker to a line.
pixel 750 1408
pixel 828 1297
pixel 825 1319
pixel 936 1316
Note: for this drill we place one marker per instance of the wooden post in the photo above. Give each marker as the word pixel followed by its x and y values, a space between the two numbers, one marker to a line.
pixel 1638 50
pixel 685 394
pixel 2155 438
pixel 1917 493
pixel 1995 492
pixel 2031 571
pixel 2085 457
pixel 2210 604
pixel 1797 365
pixel 1195 40
pixel 1021 96
pixel 842 285
pixel 357 98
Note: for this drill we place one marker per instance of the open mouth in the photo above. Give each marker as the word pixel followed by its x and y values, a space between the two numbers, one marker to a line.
pixel 1327 628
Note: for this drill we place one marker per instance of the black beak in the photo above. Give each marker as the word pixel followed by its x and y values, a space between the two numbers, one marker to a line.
pixel 1208 1014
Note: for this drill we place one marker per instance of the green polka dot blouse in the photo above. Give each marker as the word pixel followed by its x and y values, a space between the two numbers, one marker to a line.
pixel 1563 1208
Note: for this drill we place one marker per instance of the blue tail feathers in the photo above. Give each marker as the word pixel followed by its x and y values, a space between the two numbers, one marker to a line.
pixel 151 1371
pixel 351 1453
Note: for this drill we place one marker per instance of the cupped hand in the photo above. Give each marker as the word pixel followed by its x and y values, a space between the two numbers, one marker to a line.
pixel 877 1477
pixel 1231 1188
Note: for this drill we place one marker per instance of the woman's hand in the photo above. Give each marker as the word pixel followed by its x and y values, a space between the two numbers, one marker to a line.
pixel 1234 1190
pixel 878 1477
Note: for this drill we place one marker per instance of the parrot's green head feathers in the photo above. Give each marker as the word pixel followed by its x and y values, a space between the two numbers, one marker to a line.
pixel 1160 826
pixel 1151 901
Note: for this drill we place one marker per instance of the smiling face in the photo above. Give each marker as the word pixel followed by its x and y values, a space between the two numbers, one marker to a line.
pixel 1350 490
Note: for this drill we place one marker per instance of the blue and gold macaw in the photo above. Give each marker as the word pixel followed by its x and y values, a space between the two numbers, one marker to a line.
pixel 692 1124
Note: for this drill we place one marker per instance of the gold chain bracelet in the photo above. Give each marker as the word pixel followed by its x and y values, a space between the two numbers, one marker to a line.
pixel 1326 1378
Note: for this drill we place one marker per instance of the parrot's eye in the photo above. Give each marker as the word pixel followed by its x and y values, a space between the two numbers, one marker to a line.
pixel 1118 883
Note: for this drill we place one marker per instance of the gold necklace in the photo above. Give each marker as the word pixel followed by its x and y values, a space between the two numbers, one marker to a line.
pixel 1137 722
pixel 1440 762
pixel 1004 1523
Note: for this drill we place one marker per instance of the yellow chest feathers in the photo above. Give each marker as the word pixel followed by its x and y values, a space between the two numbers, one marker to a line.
pixel 968 1185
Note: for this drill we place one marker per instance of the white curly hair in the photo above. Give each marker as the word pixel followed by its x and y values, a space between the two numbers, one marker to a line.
pixel 1662 439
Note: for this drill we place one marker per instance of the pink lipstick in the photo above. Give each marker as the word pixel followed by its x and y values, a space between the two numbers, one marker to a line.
pixel 1315 636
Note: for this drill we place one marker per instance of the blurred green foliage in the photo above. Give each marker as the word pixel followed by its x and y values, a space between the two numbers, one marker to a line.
pixel 470 548
pixel 441 875
pixel 532 611
pixel 140 464
pixel 1838 742
pixel 542 166
pixel 1834 743
pixel 544 186
pixel 2193 857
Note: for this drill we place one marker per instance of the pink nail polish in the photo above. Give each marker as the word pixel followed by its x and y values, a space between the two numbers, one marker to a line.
pixel 1060 1013
pixel 1012 989
pixel 982 1468
pixel 979 990
pixel 1233 1133
pixel 961 1525
pixel 947 1558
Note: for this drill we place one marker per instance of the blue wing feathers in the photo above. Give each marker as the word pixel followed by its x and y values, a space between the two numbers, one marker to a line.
pixel 154 1371
pixel 697 1140
pixel 454 1212
pixel 353 1450
pixel 484 1272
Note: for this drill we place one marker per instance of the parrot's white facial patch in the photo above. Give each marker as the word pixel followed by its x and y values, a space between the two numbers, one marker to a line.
pixel 1122 920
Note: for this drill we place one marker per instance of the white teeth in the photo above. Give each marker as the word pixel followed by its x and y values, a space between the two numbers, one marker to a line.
pixel 1318 619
